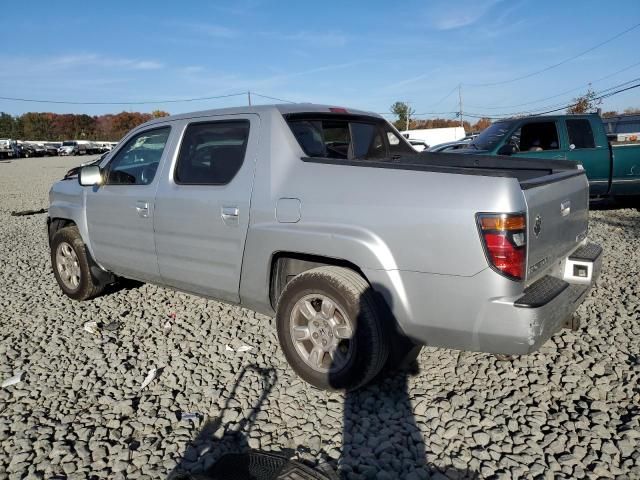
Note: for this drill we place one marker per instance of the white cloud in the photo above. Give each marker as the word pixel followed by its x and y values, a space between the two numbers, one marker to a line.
pixel 449 15
pixel 95 60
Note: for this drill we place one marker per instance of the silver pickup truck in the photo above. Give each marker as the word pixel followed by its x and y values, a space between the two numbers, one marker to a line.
pixel 326 217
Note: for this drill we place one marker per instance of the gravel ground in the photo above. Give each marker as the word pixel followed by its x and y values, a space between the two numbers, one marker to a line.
pixel 571 410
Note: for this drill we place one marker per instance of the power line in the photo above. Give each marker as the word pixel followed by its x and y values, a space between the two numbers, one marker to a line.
pixel 146 102
pixel 555 65
pixel 564 104
pixel 559 94
pixel 272 98
pixel 600 96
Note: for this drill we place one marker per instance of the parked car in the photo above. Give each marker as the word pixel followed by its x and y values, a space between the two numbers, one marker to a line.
pixel 72 147
pixel 613 169
pixel 40 151
pixel 51 148
pixel 450 146
pixel 26 150
pixel 7 148
pixel 326 217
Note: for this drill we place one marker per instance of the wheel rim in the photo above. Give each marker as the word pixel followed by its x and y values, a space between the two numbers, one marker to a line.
pixel 321 333
pixel 68 266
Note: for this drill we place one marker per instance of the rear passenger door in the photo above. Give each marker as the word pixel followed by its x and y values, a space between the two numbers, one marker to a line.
pixel 202 205
pixel 582 148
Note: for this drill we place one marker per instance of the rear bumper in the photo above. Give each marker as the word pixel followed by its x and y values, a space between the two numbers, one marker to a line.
pixel 464 312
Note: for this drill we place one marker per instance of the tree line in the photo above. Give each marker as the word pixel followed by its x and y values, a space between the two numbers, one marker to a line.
pixel 69 126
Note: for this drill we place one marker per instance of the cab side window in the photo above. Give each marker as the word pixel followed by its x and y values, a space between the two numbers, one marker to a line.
pixel 212 152
pixel 539 136
pixel 137 161
pixel 580 133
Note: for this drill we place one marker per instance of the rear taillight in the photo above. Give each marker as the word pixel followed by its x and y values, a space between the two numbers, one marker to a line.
pixel 505 242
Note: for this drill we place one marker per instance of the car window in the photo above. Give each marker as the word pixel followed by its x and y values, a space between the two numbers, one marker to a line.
pixel 212 152
pixel 348 138
pixel 137 161
pixel 580 133
pixel 536 136
pixel 398 146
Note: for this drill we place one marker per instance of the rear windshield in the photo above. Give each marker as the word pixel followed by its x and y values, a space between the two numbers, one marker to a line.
pixel 347 137
pixel 491 136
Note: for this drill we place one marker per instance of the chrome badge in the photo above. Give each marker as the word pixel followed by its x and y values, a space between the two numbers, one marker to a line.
pixel 565 208
pixel 537 225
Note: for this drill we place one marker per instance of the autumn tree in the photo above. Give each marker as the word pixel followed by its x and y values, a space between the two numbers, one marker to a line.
pixel 481 124
pixel 609 114
pixel 585 103
pixel 159 114
pixel 631 111
pixel 404 113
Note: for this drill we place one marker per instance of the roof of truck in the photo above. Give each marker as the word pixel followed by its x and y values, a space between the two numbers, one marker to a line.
pixel 284 109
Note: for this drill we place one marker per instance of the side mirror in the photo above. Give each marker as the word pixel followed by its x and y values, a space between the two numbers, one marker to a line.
pixel 507 149
pixel 89 176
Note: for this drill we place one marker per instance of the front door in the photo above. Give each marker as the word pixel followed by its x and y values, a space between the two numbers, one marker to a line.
pixel 120 212
pixel 202 206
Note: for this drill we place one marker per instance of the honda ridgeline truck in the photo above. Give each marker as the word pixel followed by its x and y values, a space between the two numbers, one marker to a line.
pixel 326 217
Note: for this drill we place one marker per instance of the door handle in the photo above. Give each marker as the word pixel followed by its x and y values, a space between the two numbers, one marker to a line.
pixel 230 215
pixel 142 208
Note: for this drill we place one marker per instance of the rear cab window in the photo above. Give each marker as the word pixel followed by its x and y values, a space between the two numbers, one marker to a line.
pixel 347 137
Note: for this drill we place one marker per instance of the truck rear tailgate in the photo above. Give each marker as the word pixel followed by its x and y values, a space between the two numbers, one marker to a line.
pixel 558 217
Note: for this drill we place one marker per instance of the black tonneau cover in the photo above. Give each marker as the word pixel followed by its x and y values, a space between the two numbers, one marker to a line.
pixel 530 172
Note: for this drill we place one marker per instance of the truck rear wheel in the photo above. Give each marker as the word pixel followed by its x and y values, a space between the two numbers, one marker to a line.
pixel 330 329
pixel 71 265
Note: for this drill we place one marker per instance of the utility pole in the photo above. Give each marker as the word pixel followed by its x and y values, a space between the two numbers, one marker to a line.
pixel 408 114
pixel 460 103
pixel 249 96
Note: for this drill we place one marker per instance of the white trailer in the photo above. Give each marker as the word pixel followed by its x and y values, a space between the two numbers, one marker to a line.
pixel 435 136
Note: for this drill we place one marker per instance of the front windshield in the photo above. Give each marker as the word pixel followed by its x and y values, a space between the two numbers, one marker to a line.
pixel 68 144
pixel 492 136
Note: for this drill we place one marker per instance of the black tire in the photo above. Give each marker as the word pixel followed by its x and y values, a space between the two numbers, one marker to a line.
pixel 88 285
pixel 353 296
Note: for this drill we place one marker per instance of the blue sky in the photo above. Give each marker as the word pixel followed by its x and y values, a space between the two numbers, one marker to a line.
pixel 364 54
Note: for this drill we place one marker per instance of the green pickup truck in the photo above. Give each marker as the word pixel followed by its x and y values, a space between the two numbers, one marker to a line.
pixel 613 168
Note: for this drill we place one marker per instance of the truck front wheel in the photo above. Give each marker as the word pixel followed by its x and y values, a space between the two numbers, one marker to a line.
pixel 71 265
pixel 330 329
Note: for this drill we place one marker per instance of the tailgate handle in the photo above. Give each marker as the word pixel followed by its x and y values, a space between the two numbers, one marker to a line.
pixel 565 208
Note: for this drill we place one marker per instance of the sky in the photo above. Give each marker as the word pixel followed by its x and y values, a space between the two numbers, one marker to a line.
pixel 359 54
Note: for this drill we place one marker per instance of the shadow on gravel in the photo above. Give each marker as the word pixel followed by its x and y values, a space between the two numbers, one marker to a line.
pixel 125 284
pixel 381 439
pixel 199 461
pixel 380 433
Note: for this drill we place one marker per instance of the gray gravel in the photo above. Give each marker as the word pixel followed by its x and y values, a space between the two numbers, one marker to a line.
pixel 571 410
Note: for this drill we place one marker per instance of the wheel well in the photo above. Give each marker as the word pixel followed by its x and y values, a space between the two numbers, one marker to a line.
pixel 56 224
pixel 286 265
